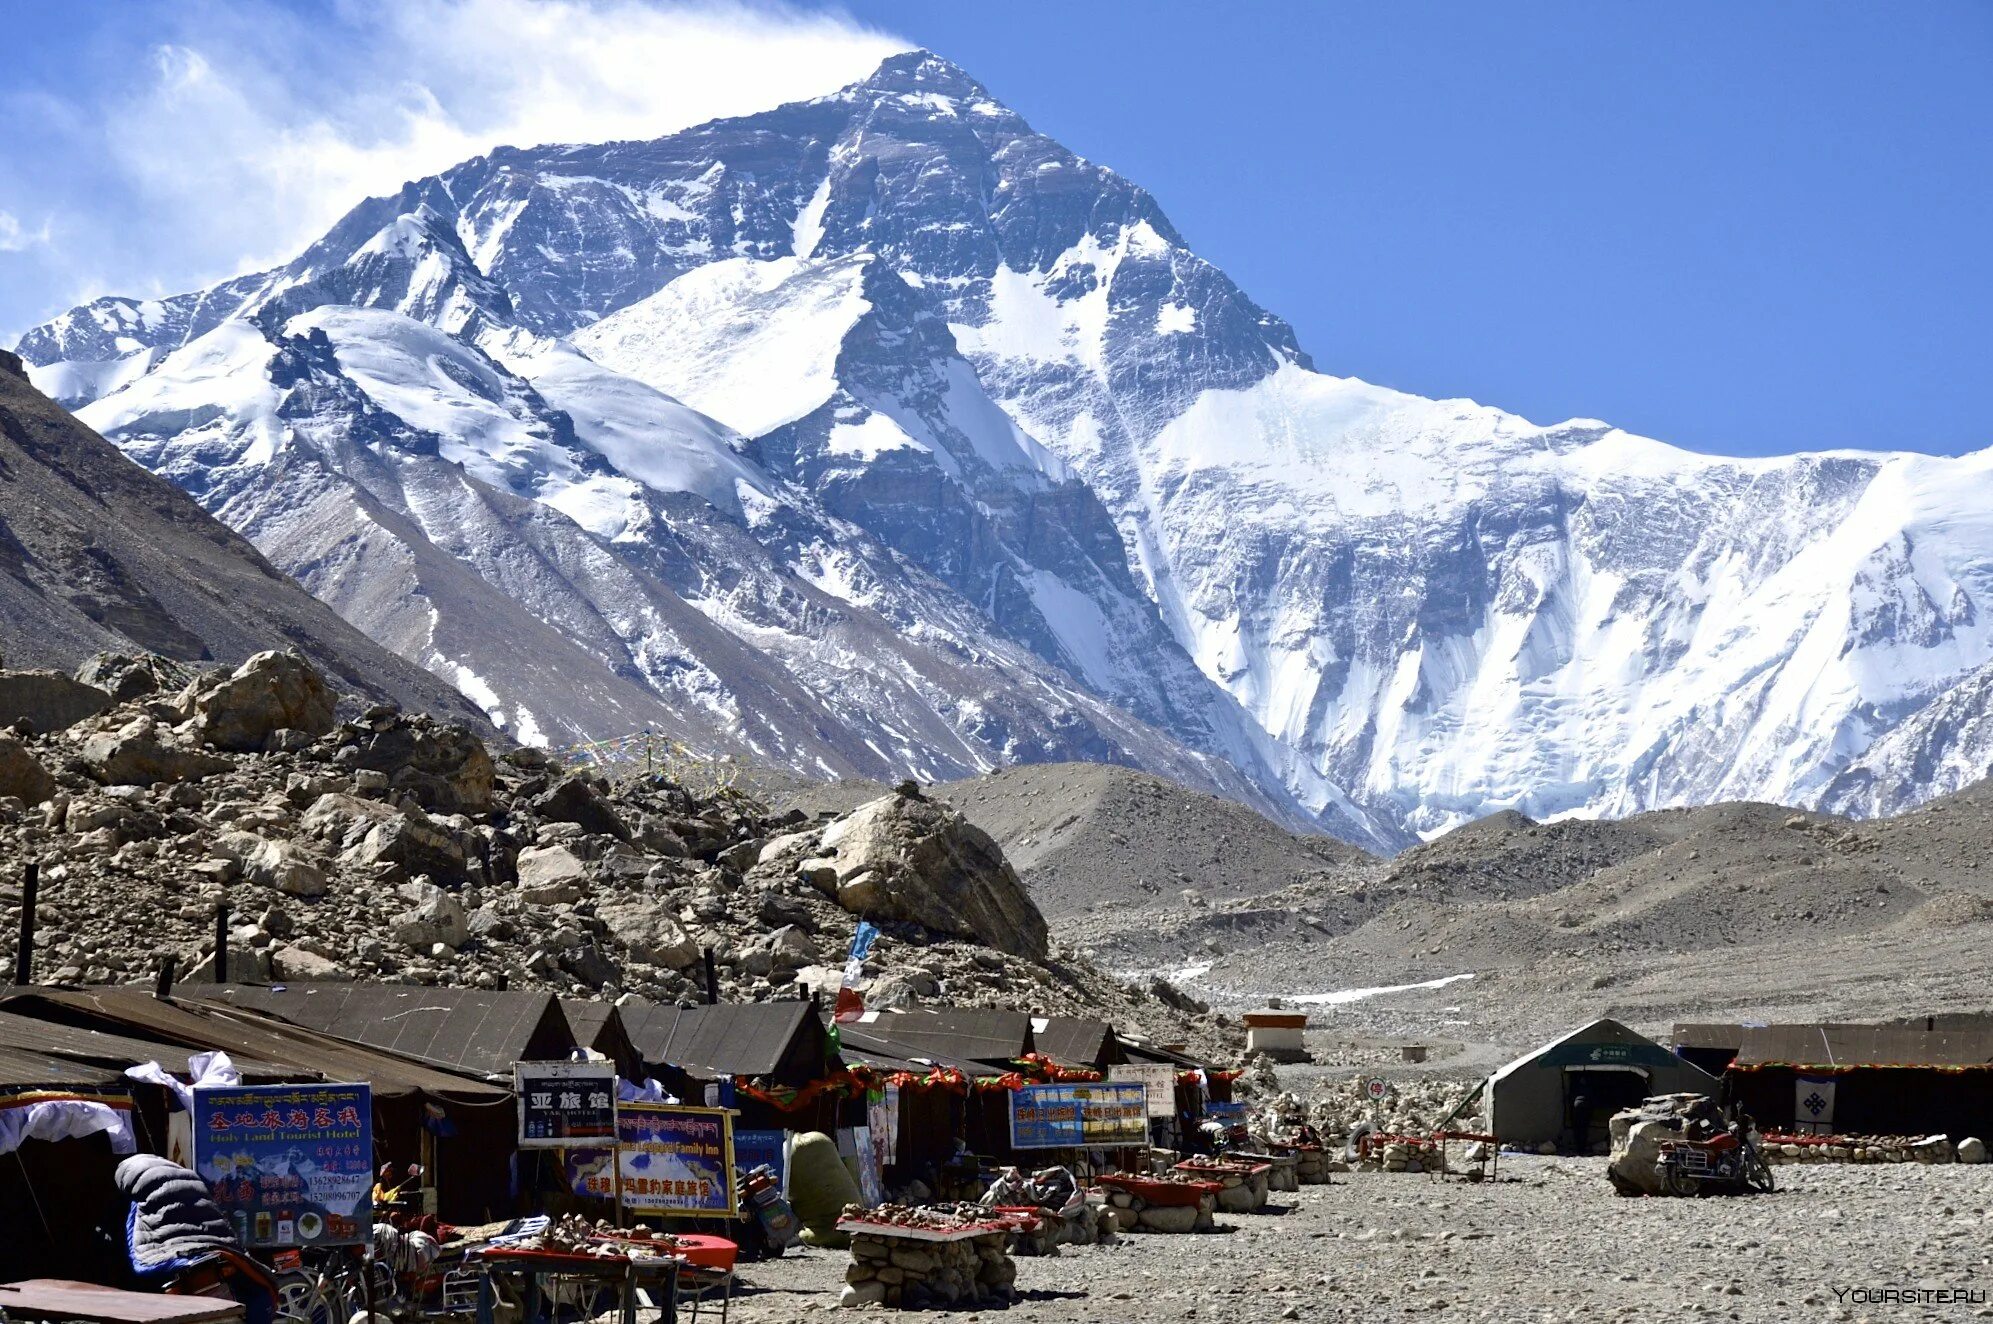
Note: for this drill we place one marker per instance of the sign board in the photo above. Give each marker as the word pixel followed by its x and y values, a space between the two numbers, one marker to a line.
pixel 291 1165
pixel 871 1181
pixel 678 1160
pixel 1229 1111
pixel 1376 1088
pixel 1157 1078
pixel 763 1149
pixel 1095 1116
pixel 565 1104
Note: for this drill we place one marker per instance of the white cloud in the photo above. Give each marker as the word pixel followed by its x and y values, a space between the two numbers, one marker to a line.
pixel 251 130
pixel 17 238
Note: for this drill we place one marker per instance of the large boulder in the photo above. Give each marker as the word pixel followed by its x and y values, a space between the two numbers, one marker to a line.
pixel 902 857
pixel 21 774
pixel 47 700
pixel 269 693
pixel 445 767
pixel 286 867
pixel 650 933
pixel 576 799
pixel 1637 1135
pixel 141 752
pixel 435 917
pixel 125 676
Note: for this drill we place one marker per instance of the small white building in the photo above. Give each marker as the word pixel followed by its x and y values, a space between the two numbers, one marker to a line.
pixel 1277 1034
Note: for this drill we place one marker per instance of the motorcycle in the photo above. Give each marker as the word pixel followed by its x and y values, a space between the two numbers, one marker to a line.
pixel 1725 1161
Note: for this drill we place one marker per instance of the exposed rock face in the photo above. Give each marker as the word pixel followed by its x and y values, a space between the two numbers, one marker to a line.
pixel 21 774
pixel 270 692
pixel 903 858
pixel 126 677
pixel 47 700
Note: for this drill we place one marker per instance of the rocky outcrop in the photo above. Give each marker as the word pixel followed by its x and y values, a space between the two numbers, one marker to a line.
pixel 335 869
pixel 904 857
pixel 271 692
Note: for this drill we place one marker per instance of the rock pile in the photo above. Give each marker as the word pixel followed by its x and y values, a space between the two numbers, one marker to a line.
pixel 355 842
pixel 1633 1167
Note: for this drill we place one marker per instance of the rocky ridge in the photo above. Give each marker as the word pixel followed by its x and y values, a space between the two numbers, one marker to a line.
pixel 394 846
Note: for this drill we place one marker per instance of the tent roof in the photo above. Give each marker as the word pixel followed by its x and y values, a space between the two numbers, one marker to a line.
pixel 1704 1035
pixel 463 1029
pixel 1832 1045
pixel 1603 1030
pixel 866 1046
pixel 728 1039
pixel 969 1034
pixel 296 1052
pixel 1074 1041
pixel 39 1053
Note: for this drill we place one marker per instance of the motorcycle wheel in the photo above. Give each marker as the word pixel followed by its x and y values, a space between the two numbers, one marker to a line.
pixel 1678 1182
pixel 1758 1173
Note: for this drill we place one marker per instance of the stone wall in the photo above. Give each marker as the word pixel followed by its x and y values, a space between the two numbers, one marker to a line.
pixel 910 1274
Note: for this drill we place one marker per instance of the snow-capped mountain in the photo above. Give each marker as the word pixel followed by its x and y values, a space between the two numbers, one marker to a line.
pixel 881 433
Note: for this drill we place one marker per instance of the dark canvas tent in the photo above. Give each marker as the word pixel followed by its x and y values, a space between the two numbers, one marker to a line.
pixel 461 1128
pixel 1867 1079
pixel 462 1029
pixel 770 1043
pixel 1566 1092
pixel 599 1026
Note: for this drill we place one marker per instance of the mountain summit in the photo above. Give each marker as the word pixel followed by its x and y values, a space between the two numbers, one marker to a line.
pixel 881 435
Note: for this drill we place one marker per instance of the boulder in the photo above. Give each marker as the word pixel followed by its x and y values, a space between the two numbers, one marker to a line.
pixel 904 858
pixel 299 966
pixel 445 767
pixel 126 676
pixel 21 774
pixel 47 700
pixel 1972 1150
pixel 417 843
pixel 284 866
pixel 1633 1164
pixel 436 917
pixel 140 753
pixel 580 801
pixel 650 933
pixel 265 695
pixel 551 869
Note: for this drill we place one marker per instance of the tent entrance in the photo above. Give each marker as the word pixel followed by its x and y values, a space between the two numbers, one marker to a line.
pixel 1592 1094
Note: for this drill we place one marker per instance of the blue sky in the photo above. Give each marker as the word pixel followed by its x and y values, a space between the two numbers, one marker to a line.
pixel 1741 228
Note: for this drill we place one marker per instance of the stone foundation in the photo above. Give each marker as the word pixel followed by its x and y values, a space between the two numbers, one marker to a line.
pixel 908 1274
pixel 1863 1149
pixel 1132 1213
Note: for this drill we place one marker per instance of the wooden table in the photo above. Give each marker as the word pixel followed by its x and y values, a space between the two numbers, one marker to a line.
pixel 61 1299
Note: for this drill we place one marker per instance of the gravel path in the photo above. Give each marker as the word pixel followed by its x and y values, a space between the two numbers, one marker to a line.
pixel 1549 1242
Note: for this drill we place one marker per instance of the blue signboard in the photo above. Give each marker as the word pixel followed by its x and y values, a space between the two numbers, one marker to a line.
pixel 291 1165
pixel 762 1149
pixel 1093 1116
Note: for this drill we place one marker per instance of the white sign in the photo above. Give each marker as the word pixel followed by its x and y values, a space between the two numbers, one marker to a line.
pixel 1159 1079
pixel 1376 1088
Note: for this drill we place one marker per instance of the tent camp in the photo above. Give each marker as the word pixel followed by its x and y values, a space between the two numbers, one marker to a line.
pixel 1867 1079
pixel 1566 1092
pixel 461 1029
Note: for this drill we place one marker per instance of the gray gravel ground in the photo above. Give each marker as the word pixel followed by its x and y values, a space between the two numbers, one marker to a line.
pixel 1549 1242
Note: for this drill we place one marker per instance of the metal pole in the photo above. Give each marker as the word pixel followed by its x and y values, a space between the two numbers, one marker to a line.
pixel 24 955
pixel 167 969
pixel 712 980
pixel 221 943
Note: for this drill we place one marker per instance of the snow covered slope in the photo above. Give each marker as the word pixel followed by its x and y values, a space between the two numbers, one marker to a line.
pixel 894 355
